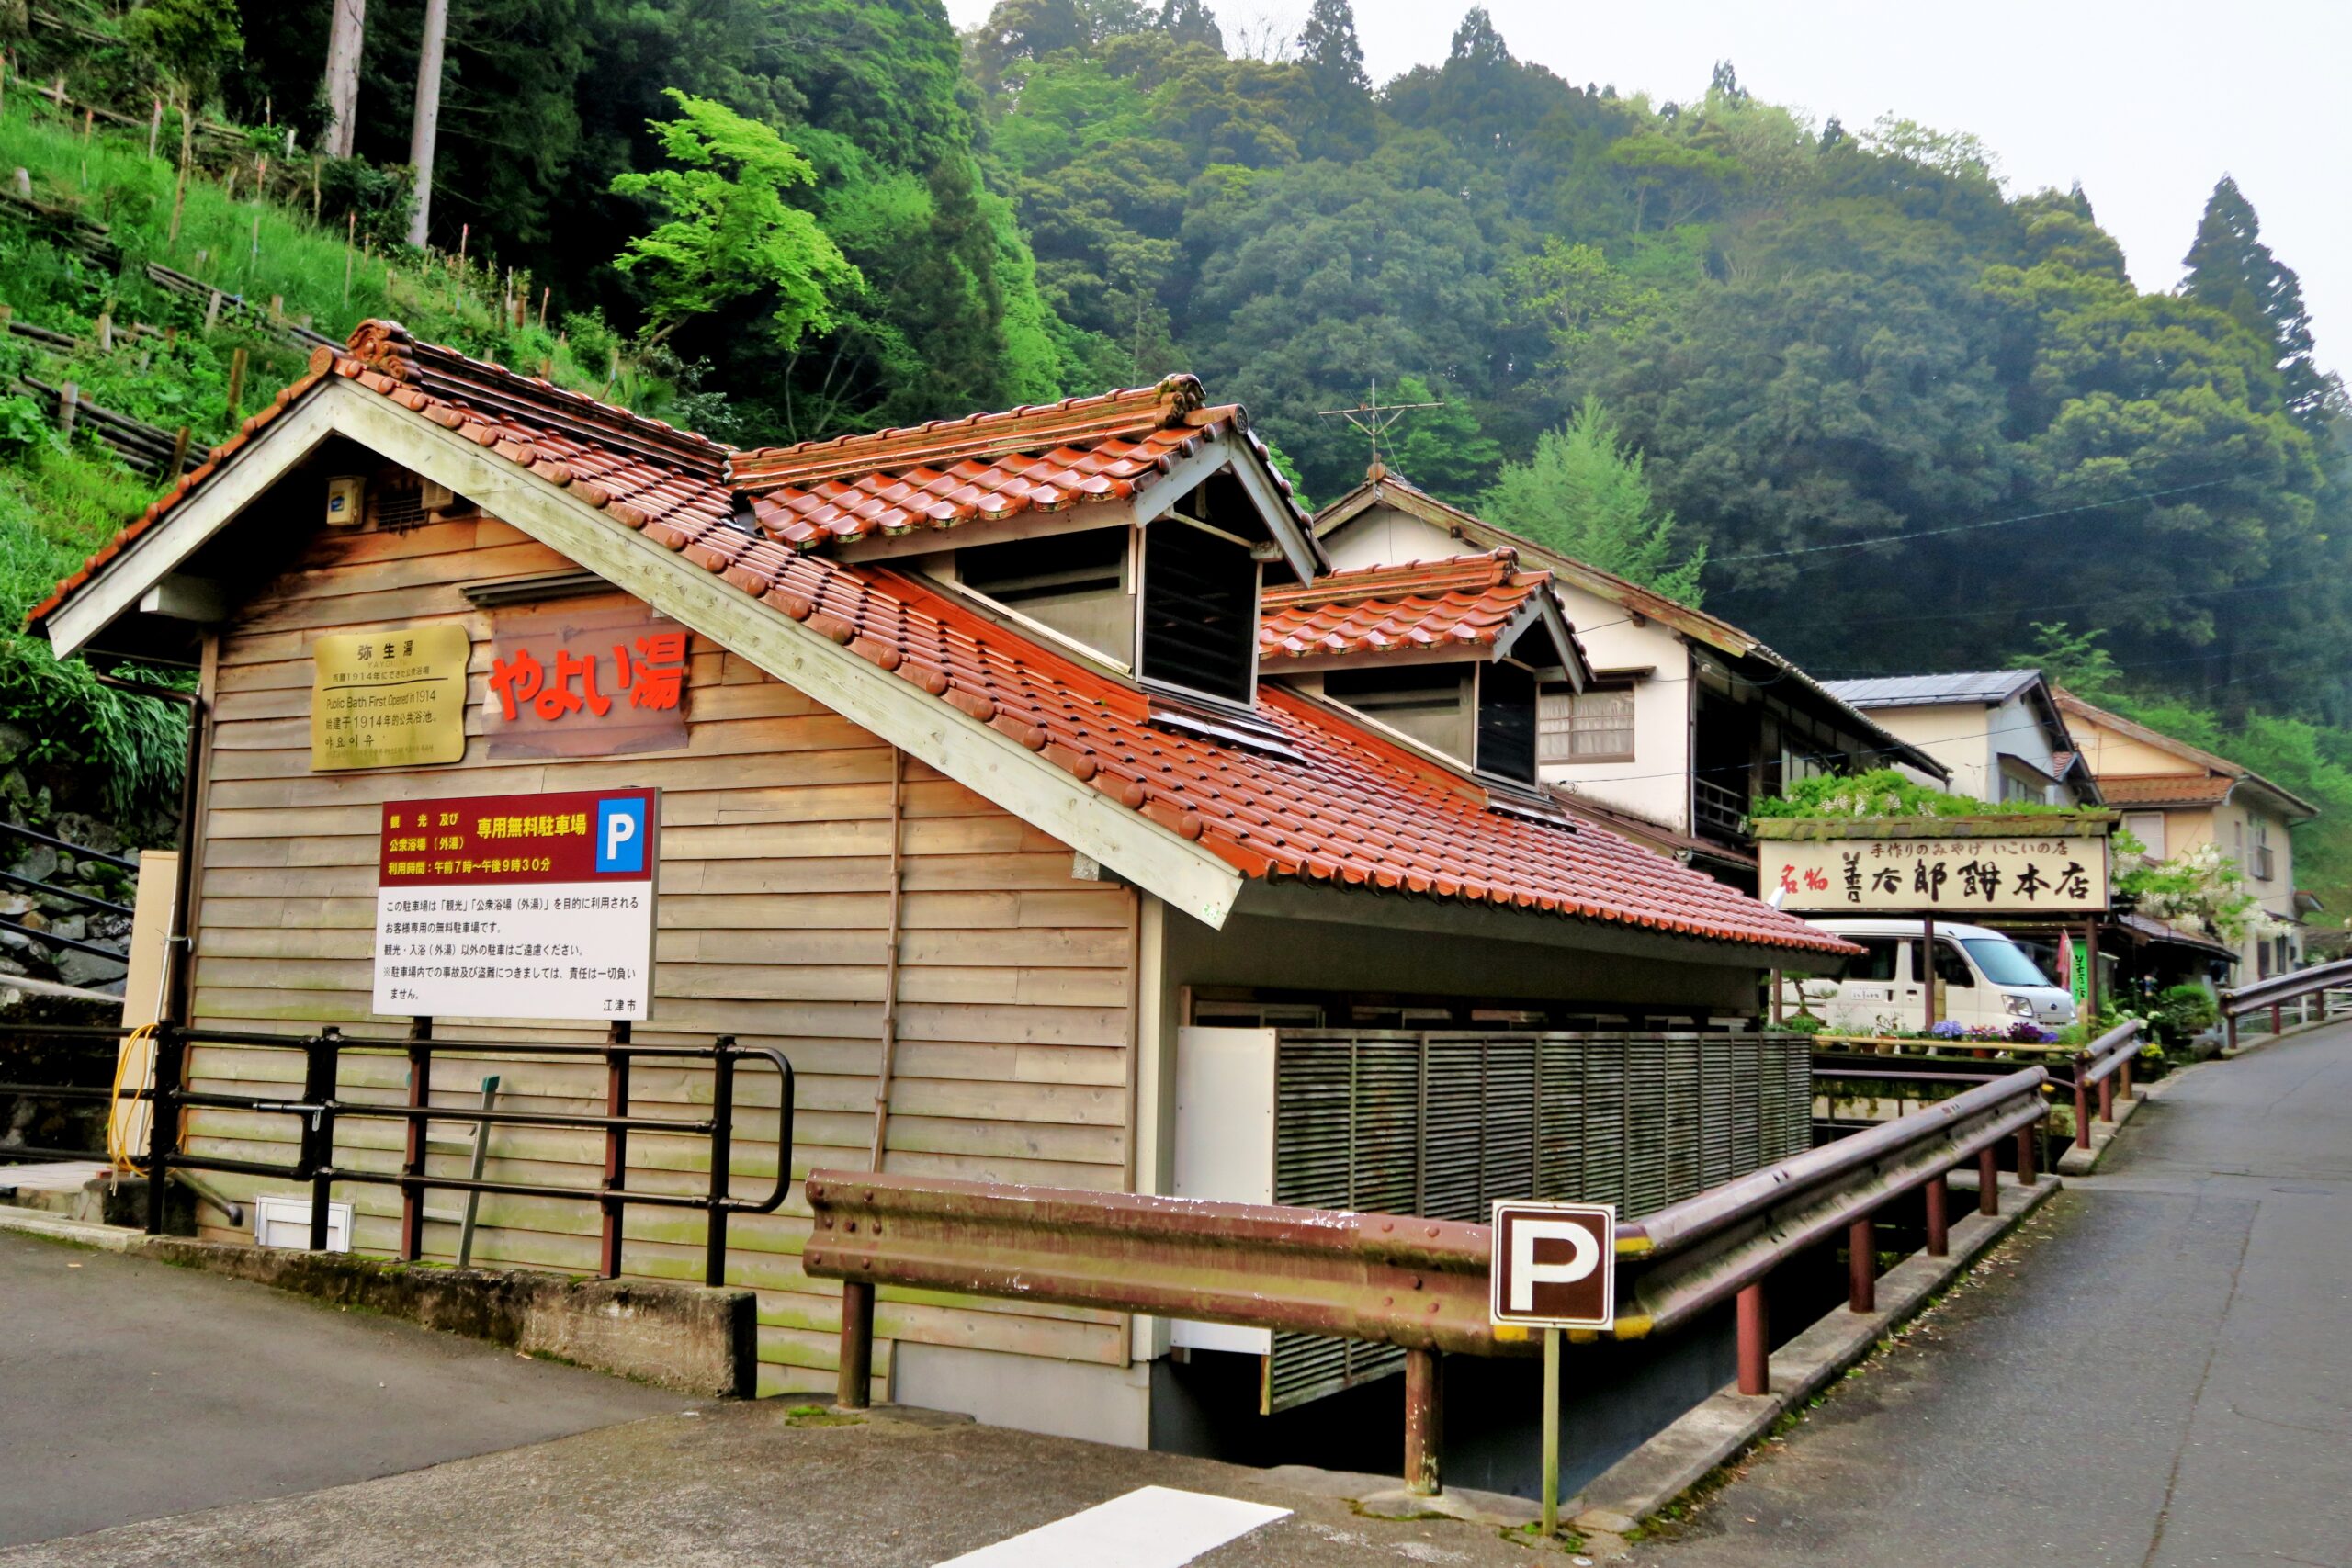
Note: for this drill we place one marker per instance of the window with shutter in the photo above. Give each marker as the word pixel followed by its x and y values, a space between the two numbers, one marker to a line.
pixel 1200 611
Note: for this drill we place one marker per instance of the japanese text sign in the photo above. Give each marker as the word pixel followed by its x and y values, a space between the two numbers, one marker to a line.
pixel 388 699
pixel 1554 1266
pixel 590 679
pixel 2025 876
pixel 517 906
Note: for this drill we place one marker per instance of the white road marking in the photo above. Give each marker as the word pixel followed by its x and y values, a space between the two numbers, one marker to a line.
pixel 1156 1527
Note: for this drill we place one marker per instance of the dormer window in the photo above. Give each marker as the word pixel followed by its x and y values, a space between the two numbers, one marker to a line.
pixel 1449 655
pixel 1507 721
pixel 1200 611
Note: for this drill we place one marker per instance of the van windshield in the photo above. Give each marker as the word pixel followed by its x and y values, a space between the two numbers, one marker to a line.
pixel 2003 962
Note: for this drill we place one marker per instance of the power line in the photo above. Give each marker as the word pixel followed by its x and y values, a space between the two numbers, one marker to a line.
pixel 1964 527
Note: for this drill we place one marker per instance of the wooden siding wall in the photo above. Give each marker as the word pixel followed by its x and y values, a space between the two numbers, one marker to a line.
pixel 1016 989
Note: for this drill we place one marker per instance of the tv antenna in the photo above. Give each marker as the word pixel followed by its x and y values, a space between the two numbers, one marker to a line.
pixel 1375 419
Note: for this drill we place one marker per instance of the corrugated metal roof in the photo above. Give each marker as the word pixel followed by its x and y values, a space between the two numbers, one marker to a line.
pixel 1932 690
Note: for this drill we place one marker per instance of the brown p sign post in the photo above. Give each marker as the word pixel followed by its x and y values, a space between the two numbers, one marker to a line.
pixel 1554 1266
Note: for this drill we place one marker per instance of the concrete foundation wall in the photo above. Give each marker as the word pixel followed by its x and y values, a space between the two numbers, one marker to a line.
pixel 1061 1399
pixel 688 1337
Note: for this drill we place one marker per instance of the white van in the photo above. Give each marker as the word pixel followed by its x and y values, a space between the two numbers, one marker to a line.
pixel 1986 981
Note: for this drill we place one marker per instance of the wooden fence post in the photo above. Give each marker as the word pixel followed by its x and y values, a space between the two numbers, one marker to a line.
pixel 236 383
pixel 179 453
pixel 69 400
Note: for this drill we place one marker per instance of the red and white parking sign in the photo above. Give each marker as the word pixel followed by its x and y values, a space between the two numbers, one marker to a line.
pixel 517 906
pixel 1554 1266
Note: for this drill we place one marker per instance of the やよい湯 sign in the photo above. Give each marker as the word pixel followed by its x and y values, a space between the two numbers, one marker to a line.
pixel 586 680
pixel 517 906
pixel 388 699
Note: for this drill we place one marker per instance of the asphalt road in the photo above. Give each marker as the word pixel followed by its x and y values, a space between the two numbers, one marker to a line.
pixel 2156 1373
pixel 132 1390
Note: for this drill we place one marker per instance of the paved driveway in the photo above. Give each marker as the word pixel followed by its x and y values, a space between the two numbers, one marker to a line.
pixel 132 1390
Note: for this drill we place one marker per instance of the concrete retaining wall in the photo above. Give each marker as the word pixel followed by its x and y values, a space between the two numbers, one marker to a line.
pixel 688 1337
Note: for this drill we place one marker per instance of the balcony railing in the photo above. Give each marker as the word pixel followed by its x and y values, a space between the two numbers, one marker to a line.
pixel 1717 811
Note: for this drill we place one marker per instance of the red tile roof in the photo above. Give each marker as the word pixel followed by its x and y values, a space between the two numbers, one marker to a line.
pixel 2165 789
pixel 988 466
pixel 1346 807
pixel 1468 601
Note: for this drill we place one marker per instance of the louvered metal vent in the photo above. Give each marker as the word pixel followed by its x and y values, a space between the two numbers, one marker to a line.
pixel 1443 1124
pixel 1200 611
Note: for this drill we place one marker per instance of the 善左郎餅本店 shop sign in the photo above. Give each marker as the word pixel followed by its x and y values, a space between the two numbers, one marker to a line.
pixel 517 906
pixel 2057 875
pixel 388 699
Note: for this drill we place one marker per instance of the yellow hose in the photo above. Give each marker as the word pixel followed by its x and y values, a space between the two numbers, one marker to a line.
pixel 124 1158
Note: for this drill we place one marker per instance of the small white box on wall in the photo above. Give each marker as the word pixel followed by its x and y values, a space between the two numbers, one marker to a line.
pixel 281 1221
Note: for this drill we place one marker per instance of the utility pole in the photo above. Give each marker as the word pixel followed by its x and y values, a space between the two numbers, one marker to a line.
pixel 344 42
pixel 428 117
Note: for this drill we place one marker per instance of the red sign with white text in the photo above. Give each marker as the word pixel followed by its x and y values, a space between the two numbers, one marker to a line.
pixel 508 838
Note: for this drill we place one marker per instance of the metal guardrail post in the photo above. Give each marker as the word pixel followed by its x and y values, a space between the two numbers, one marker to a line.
pixel 1937 1193
pixel 163 1120
pixel 1988 1183
pixel 2107 1098
pixel 611 1222
pixel 1424 1424
pixel 722 1157
pixel 2123 1078
pixel 412 1151
pixel 319 1075
pixel 2082 1100
pixel 2276 1026
pixel 854 1388
pixel 2029 1152
pixel 1862 1265
pixel 1755 1340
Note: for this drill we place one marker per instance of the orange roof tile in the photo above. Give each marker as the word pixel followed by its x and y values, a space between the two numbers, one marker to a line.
pixel 1345 807
pixel 1469 602
pixel 1041 459
pixel 2165 789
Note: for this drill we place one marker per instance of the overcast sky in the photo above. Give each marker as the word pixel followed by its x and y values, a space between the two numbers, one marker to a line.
pixel 2144 102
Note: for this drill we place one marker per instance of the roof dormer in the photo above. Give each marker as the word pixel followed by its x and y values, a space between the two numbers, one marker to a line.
pixel 1448 655
pixel 1134 527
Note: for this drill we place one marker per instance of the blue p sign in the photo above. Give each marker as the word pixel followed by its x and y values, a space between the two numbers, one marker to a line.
pixel 620 836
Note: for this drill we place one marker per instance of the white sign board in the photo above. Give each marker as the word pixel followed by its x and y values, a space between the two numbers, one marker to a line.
pixel 518 906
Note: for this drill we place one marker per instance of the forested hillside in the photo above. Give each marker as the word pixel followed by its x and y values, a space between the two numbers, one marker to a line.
pixel 1842 382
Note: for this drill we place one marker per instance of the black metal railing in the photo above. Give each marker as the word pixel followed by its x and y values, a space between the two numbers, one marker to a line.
pixel 320 1107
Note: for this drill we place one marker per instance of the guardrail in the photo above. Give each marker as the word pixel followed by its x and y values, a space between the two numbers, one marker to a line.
pixel 2297 986
pixel 319 1108
pixel 2106 1065
pixel 1393 1278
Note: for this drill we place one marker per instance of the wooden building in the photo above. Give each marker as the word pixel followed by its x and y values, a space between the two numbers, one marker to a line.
pixel 971 801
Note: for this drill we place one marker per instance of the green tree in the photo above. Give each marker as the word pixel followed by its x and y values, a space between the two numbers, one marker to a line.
pixel 1570 293
pixel 1584 495
pixel 2229 269
pixel 1443 450
pixel 1342 123
pixel 728 231
pixel 192 42
pixel 1188 21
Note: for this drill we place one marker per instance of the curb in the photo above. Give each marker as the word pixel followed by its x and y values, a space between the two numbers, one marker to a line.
pixel 1703 1438
pixel 57 1228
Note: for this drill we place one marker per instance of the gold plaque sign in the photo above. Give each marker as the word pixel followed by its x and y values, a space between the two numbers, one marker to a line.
pixel 388 699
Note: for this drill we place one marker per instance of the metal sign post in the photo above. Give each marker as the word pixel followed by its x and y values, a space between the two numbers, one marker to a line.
pixel 1554 1267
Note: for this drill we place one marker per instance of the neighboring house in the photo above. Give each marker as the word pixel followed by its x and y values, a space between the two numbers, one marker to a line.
pixel 1685 719
pixel 2176 797
pixel 974 804
pixel 1998 732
